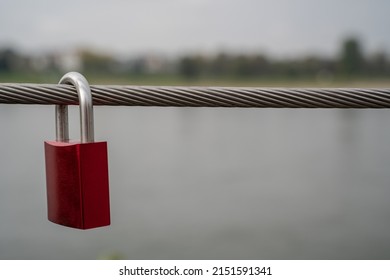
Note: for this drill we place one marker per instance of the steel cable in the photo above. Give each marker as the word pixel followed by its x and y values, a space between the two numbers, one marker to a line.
pixel 199 96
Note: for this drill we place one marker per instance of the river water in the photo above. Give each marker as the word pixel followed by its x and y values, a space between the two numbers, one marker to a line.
pixel 206 183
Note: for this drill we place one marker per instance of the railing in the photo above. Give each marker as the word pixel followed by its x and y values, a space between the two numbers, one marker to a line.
pixel 200 96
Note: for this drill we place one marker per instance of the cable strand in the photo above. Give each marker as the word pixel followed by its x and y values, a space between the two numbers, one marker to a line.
pixel 46 94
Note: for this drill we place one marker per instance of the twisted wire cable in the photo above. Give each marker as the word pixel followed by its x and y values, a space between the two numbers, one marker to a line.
pixel 199 96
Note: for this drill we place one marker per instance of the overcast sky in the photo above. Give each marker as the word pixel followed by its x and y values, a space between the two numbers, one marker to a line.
pixel 131 27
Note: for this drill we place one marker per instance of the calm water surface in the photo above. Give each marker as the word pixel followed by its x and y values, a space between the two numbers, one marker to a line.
pixel 209 184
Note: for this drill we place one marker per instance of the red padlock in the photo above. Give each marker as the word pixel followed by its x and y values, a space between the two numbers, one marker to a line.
pixel 77 171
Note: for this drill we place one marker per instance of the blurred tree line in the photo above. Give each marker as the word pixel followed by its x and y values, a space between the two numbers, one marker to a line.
pixel 351 62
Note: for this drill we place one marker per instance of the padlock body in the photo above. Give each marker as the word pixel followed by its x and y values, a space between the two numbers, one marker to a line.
pixel 77 184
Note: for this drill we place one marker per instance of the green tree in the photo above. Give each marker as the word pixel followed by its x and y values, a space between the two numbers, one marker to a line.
pixel 191 66
pixel 94 62
pixel 351 60
pixel 9 60
pixel 378 64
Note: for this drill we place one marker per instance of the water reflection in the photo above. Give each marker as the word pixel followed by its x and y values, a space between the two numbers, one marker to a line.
pixel 209 183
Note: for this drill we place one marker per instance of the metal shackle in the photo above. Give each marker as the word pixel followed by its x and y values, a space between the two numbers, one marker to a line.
pixel 86 110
